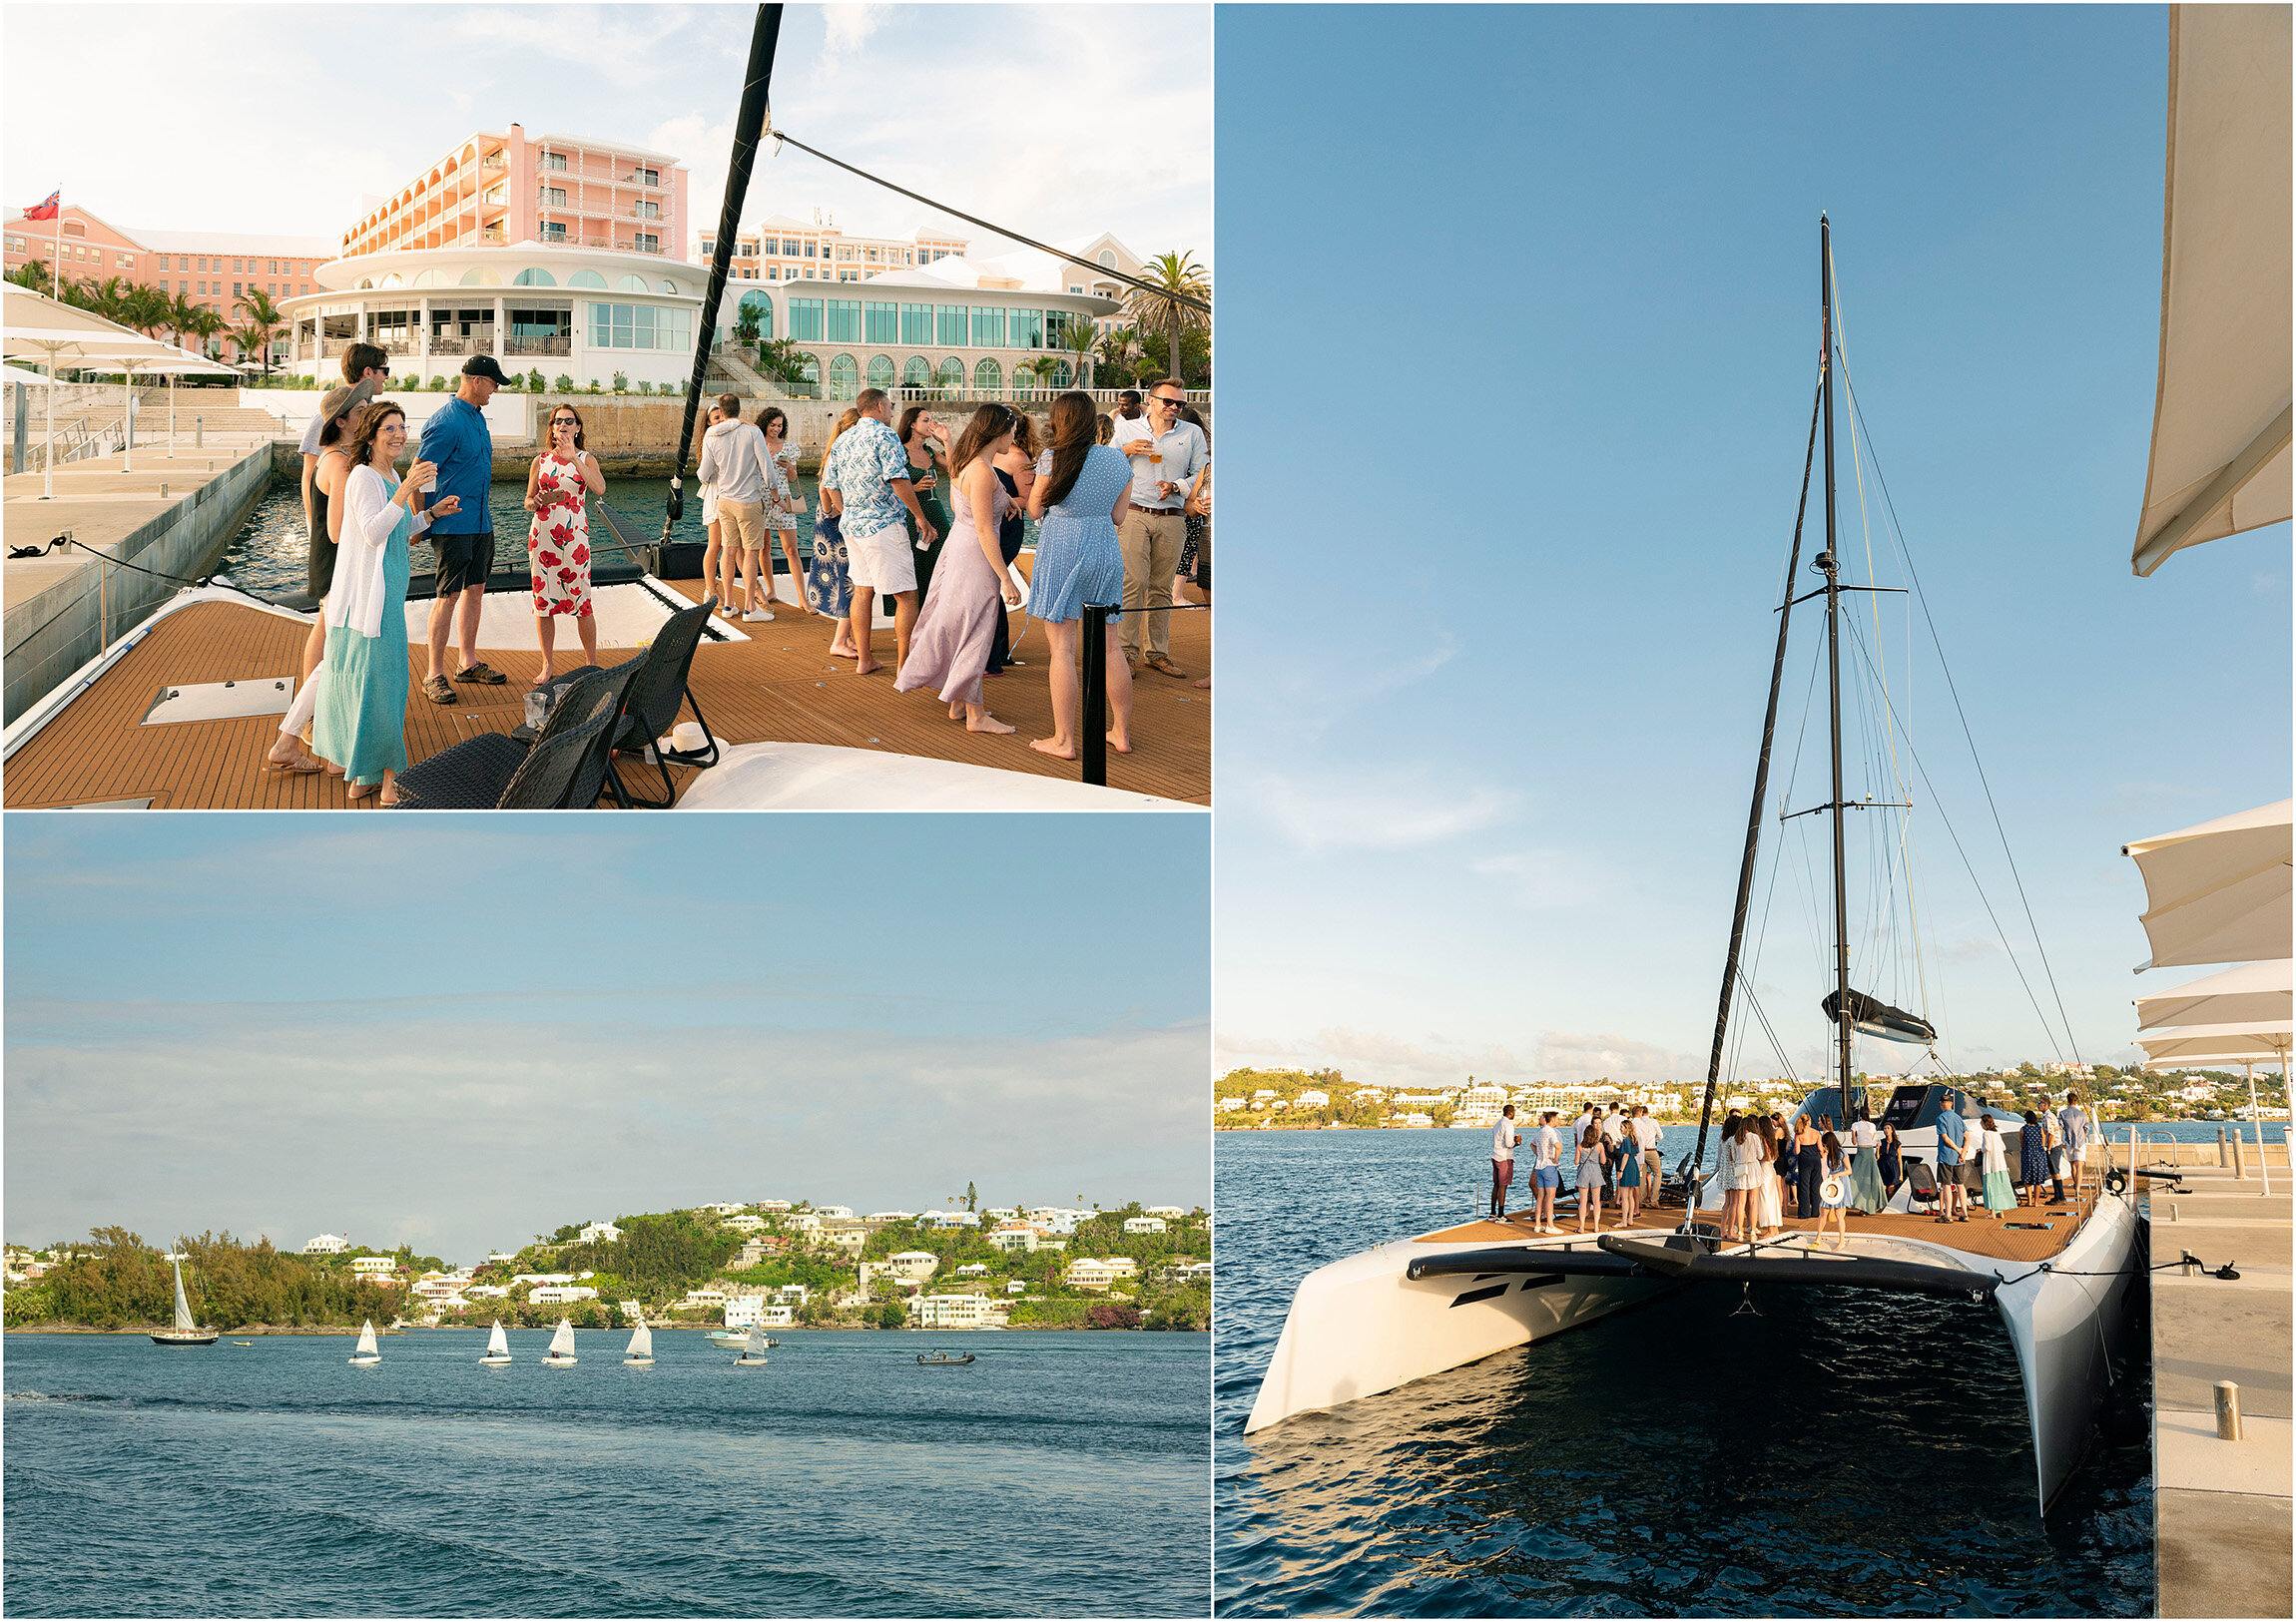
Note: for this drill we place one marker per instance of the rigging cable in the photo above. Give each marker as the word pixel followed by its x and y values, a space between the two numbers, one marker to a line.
pixel 1906 553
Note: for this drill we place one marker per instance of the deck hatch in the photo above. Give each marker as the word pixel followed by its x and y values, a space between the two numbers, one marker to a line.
pixel 222 700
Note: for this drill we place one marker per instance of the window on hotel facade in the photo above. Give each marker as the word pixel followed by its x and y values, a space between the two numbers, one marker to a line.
pixel 952 373
pixel 396 327
pixel 791 248
pixel 805 321
pixel 810 371
pixel 647 177
pixel 758 307
pixel 1061 377
pixel 882 322
pixel 203 265
pixel 845 377
pixel 872 256
pixel 640 326
pixel 988 376
pixel 845 321
pixel 586 278
pixel 952 332
pixel 534 277
pixel 917 373
pixel 646 243
pixel 880 371
pixel 1025 328
pixel 185 287
pixel 554 197
pixel 240 266
pixel 306 287
pixel 916 323
pixel 554 159
pixel 749 251
pixel 709 248
pixel 553 231
pixel 541 323
pixel 988 327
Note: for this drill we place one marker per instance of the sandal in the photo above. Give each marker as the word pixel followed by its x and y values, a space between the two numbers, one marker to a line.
pixel 434 689
pixel 482 673
pixel 302 764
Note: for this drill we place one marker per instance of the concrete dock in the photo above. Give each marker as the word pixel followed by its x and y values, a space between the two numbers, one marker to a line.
pixel 173 514
pixel 2224 1510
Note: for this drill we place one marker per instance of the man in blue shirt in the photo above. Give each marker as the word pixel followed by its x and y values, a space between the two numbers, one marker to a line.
pixel 1953 1138
pixel 2074 1119
pixel 457 440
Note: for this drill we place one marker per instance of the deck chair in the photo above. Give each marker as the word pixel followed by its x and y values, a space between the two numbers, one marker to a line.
pixel 658 691
pixel 566 767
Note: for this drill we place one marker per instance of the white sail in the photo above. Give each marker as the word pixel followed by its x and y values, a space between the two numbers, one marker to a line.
pixel 498 1344
pixel 183 1324
pixel 562 1344
pixel 641 1342
pixel 366 1346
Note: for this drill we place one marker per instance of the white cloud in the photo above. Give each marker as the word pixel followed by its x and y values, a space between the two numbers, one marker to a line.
pixel 1392 809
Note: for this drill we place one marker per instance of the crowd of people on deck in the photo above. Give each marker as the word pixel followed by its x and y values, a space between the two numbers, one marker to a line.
pixel 930 522
pixel 1770 1166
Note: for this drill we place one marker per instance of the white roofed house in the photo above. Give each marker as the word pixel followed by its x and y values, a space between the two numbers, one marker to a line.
pixel 1313 1099
pixel 958 1311
pixel 1231 1104
pixel 559 1294
pixel 1088 1273
pixel 601 1230
pixel 373 1266
pixel 843 1211
pixel 918 1265
pixel 748 1223
pixel 1144 1225
pixel 1169 1211
pixel 326 1245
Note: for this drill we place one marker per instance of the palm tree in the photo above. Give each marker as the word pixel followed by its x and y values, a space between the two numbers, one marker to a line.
pixel 177 320
pixel 1121 349
pixel 1180 302
pixel 782 362
pixel 33 274
pixel 1079 339
pixel 146 309
pixel 203 323
pixel 264 319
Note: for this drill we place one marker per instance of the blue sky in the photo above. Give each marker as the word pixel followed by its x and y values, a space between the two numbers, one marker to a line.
pixel 460 1030
pixel 993 109
pixel 1538 286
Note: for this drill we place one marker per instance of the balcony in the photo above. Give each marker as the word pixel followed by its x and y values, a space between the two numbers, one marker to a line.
pixel 516 346
pixel 635 179
pixel 484 343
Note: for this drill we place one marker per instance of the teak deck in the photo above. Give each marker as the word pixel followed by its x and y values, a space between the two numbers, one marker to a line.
pixel 779 686
pixel 1982 1235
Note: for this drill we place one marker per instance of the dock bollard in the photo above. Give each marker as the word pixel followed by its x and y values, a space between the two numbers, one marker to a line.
pixel 2227 1410
pixel 198 433
pixel 2223 1154
pixel 2239 1159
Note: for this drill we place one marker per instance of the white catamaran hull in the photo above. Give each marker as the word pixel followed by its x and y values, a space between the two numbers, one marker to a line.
pixel 1361 1326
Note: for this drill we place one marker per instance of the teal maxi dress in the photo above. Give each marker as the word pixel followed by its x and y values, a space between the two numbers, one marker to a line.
pixel 360 722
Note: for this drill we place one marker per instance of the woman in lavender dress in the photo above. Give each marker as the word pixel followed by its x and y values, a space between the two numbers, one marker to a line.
pixel 957 626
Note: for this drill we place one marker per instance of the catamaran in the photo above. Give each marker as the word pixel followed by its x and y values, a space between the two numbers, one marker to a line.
pixel 561 1353
pixel 366 1351
pixel 639 1354
pixel 186 1333
pixel 497 1346
pixel 2059 1284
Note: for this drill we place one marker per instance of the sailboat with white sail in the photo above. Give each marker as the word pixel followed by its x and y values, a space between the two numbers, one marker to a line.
pixel 641 1350
pixel 186 1333
pixel 2059 1284
pixel 561 1353
pixel 497 1346
pixel 366 1351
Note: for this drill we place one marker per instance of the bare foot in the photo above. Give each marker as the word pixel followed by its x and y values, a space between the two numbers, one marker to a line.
pixel 956 712
pixel 869 669
pixel 1121 743
pixel 544 680
pixel 1053 747
pixel 1204 682
pixel 986 724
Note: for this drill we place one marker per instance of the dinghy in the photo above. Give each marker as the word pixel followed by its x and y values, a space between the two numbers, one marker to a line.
pixel 497 1346
pixel 641 1350
pixel 561 1353
pixel 366 1351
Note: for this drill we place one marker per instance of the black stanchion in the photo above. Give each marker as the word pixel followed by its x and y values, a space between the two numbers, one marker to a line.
pixel 1093 713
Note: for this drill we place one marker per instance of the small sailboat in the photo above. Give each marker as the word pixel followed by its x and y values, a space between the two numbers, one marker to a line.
pixel 186 1333
pixel 641 1352
pixel 561 1353
pixel 749 1359
pixel 367 1352
pixel 497 1346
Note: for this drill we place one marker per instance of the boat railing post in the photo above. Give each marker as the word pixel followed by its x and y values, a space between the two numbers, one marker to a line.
pixel 103 600
pixel 1092 717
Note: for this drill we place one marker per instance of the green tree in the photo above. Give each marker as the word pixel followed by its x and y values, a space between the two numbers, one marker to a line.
pixel 1079 339
pixel 262 320
pixel 1177 302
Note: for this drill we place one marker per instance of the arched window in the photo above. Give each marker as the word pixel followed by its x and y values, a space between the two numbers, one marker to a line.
pixel 534 277
pixel 480 277
pixel 952 376
pixel 810 369
pixel 880 371
pixel 366 281
pixel 633 283
pixel 988 377
pixel 390 281
pixel 1108 258
pixel 668 285
pixel 845 377
pixel 1062 377
pixel 917 373
pixel 758 307
pixel 429 279
pixel 586 278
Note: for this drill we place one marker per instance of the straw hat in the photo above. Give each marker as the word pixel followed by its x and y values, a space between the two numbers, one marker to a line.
pixel 339 400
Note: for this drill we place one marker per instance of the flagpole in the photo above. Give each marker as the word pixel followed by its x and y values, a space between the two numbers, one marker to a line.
pixel 56 266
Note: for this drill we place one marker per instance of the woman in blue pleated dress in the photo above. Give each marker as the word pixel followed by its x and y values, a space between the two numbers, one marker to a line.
pixel 360 724
pixel 1081 491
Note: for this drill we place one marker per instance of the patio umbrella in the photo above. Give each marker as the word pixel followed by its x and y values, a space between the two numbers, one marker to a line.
pixel 34 324
pixel 2217 892
pixel 2241 1042
pixel 182 364
pixel 2253 992
pixel 2219 462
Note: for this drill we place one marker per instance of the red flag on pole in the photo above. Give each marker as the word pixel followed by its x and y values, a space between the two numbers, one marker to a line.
pixel 47 209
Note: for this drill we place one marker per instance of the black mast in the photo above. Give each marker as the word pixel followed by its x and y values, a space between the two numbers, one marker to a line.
pixel 1754 815
pixel 757 81
pixel 1829 564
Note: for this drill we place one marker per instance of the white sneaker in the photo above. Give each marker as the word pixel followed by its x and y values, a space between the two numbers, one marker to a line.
pixel 756 616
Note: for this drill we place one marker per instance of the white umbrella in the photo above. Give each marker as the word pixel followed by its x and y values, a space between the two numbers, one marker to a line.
pixel 2251 991
pixel 2217 892
pixel 2241 1042
pixel 182 364
pixel 2220 423
pixel 32 323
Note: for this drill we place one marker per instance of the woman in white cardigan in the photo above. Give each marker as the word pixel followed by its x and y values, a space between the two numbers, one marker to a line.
pixel 361 719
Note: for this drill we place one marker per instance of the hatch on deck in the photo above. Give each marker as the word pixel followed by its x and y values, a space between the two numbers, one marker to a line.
pixel 222 700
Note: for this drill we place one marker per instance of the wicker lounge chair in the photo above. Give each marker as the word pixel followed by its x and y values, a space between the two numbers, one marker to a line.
pixel 657 692
pixel 567 765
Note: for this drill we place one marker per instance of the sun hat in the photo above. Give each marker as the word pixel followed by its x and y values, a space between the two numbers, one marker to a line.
pixel 341 399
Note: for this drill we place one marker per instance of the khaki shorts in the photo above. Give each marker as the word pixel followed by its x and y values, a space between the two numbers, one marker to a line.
pixel 741 523
pixel 883 560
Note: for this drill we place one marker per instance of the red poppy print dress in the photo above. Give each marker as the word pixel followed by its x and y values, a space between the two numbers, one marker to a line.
pixel 558 543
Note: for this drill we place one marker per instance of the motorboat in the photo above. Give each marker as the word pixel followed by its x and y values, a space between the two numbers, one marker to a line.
pixel 941 1360
pixel 730 1338
pixel 2057 1277
pixel 186 1333
pixel 561 1353
pixel 367 1352
pixel 497 1346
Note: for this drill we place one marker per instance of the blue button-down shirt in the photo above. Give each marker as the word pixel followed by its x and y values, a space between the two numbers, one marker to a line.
pixel 456 440
pixel 862 467
pixel 1953 1132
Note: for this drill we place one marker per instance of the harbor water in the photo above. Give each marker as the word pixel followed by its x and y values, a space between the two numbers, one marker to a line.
pixel 1062 1472
pixel 1806 1452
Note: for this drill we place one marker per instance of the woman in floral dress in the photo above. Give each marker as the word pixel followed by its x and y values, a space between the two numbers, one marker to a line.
pixel 558 488
pixel 829 586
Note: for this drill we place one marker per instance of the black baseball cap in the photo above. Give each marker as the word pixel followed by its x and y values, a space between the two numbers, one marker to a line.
pixel 483 365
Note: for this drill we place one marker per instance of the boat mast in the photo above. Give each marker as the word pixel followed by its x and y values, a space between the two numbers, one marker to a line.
pixel 1831 566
